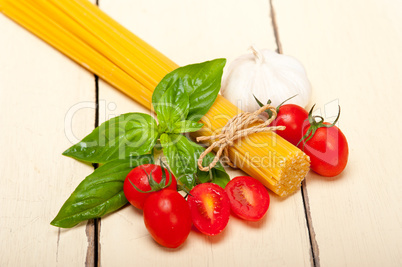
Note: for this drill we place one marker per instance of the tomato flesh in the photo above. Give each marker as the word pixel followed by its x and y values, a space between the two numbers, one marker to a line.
pixel 210 208
pixel 328 151
pixel 138 176
pixel 249 199
pixel 167 217
pixel 293 117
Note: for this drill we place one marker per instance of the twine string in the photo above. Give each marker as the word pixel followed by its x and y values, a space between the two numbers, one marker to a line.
pixel 236 128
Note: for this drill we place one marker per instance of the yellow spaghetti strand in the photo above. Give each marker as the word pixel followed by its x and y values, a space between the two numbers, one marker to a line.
pixel 91 38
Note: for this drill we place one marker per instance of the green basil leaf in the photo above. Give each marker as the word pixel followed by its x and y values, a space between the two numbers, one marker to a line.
pixel 129 134
pixel 204 177
pixel 216 175
pixel 201 81
pixel 188 180
pixel 220 178
pixel 186 126
pixel 99 193
pixel 180 154
pixel 171 107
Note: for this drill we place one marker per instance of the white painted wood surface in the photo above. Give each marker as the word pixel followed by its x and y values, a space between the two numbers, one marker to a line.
pixel 39 87
pixel 216 31
pixel 351 50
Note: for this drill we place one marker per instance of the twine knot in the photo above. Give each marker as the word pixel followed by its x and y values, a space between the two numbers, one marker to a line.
pixel 237 127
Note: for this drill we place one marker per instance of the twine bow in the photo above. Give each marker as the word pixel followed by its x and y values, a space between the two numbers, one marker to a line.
pixel 236 127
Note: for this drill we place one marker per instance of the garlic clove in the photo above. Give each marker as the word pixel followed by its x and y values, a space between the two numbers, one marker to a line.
pixel 267 75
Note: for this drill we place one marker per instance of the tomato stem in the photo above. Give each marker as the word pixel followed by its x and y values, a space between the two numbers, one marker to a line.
pixel 185 189
pixel 314 125
pixel 152 183
pixel 280 105
pixel 268 111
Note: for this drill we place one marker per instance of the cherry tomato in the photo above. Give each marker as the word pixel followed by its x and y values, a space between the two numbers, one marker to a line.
pixel 167 217
pixel 328 150
pixel 292 116
pixel 249 199
pixel 210 208
pixel 139 177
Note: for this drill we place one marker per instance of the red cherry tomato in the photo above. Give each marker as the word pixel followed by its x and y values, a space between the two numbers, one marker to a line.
pixel 249 199
pixel 210 208
pixel 167 218
pixel 292 116
pixel 328 150
pixel 139 177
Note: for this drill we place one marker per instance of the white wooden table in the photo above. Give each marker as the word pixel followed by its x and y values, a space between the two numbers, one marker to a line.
pixel 352 52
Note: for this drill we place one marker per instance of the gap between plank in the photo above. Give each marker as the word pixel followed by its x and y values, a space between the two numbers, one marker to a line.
pixel 314 257
pixel 275 27
pixel 90 233
pixel 97 222
pixel 58 244
pixel 93 226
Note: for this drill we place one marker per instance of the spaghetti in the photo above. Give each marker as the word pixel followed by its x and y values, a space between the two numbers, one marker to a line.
pixel 91 38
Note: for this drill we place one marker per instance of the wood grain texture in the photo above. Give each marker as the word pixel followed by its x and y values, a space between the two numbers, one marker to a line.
pixel 193 31
pixel 39 90
pixel 351 50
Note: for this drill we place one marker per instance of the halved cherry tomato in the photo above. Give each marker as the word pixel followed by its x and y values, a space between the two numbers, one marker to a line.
pixel 139 177
pixel 210 208
pixel 167 217
pixel 249 199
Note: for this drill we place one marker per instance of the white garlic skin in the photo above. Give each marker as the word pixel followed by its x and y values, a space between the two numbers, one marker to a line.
pixel 267 75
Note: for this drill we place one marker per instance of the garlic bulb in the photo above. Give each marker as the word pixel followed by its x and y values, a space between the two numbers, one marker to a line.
pixel 267 75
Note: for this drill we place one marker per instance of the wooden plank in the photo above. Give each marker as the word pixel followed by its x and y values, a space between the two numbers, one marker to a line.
pixel 351 50
pixel 188 32
pixel 46 102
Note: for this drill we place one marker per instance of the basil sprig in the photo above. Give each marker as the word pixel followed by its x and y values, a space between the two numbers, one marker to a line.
pixel 180 100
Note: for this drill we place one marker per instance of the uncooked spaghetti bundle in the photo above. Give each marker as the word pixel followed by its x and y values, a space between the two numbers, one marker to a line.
pixel 91 38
